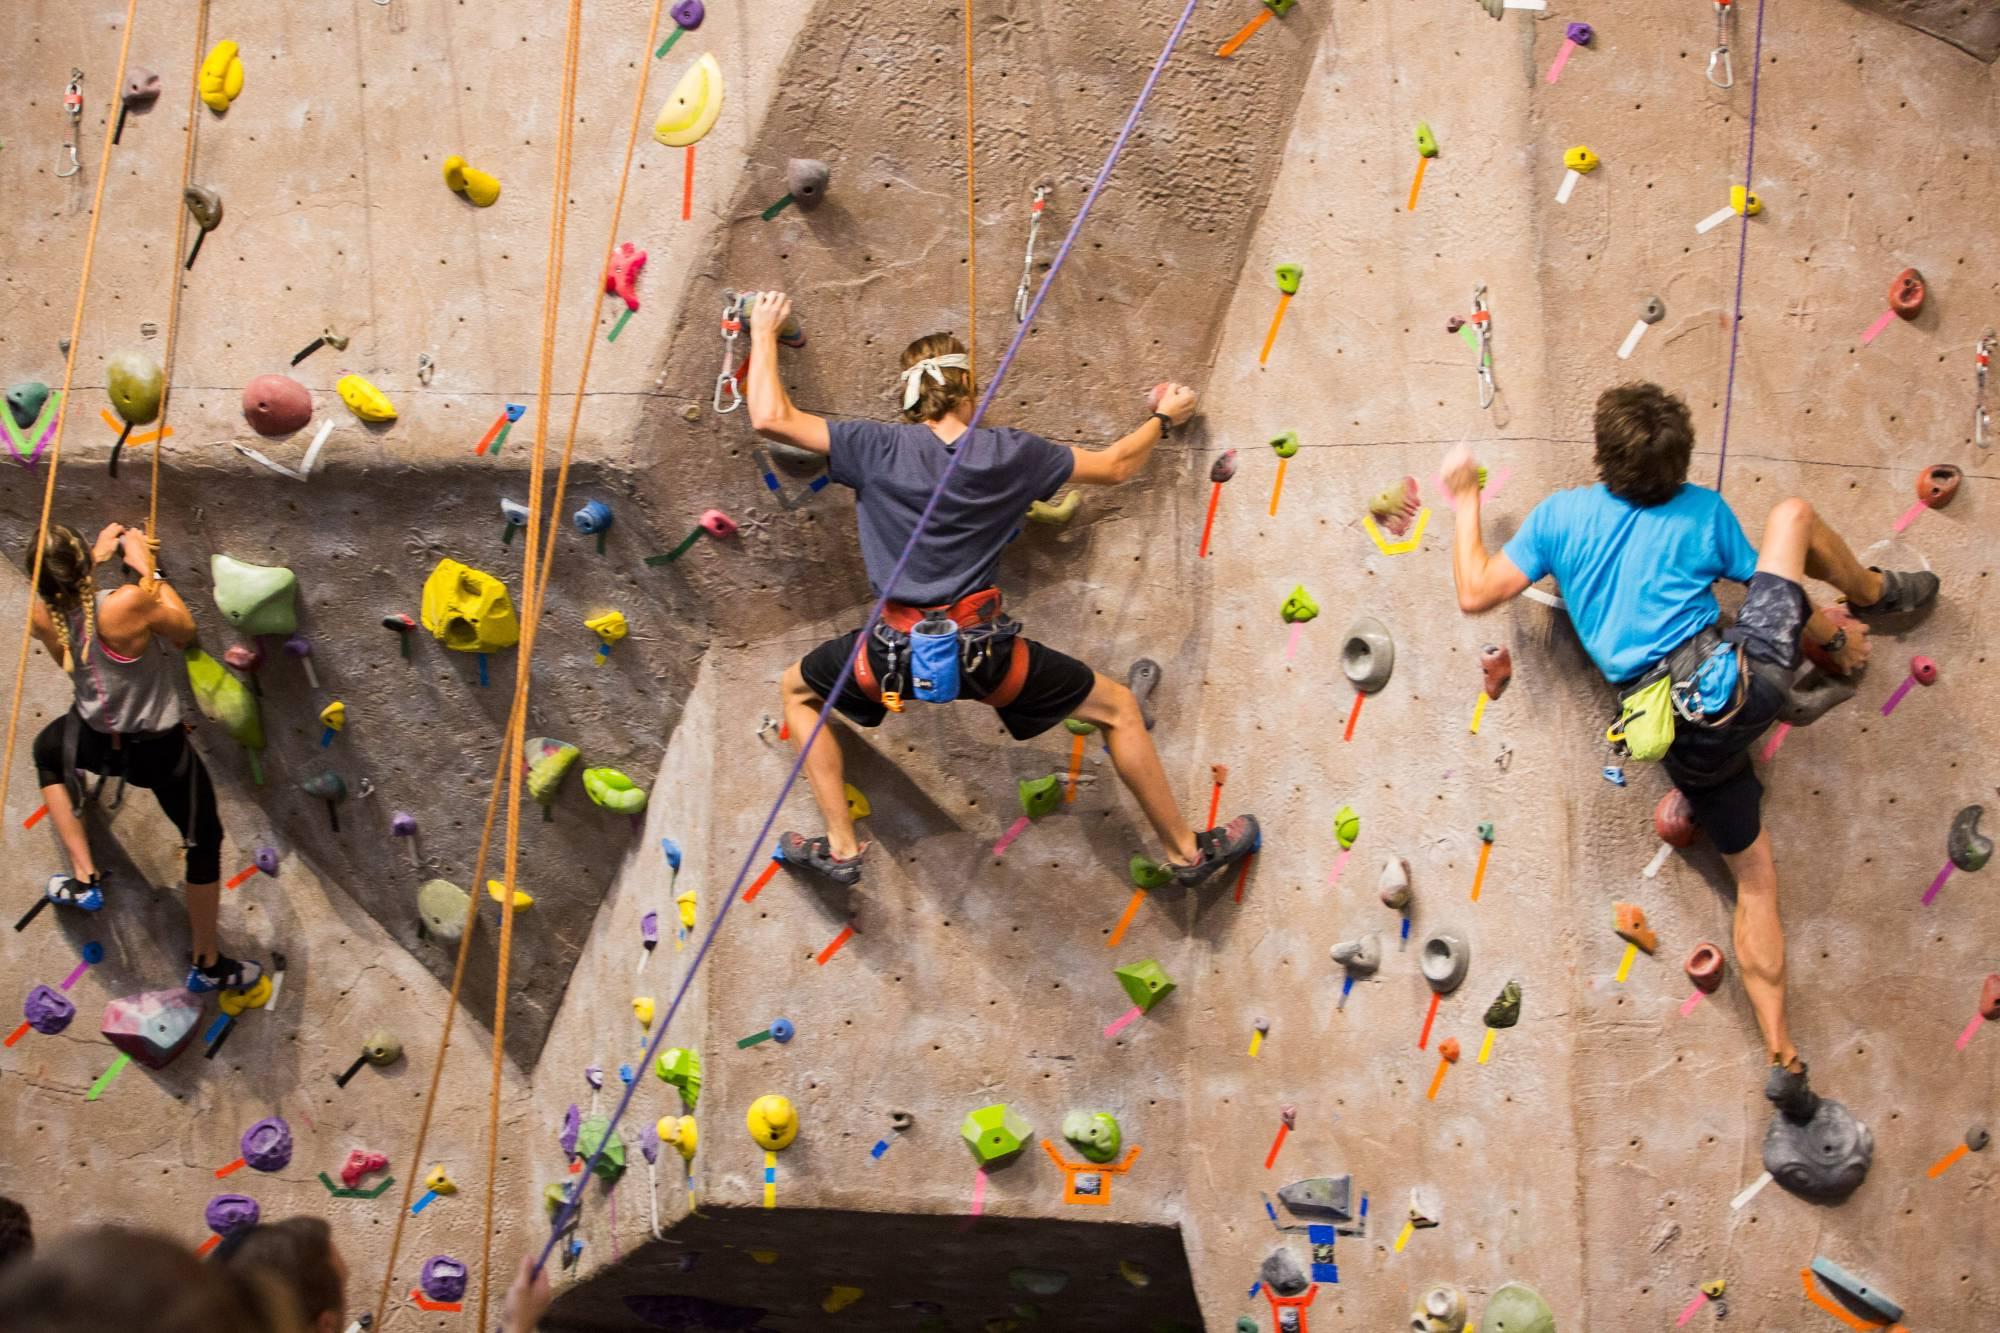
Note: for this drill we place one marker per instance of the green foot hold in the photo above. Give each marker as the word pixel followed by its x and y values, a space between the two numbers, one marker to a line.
pixel 995 1133
pixel 1041 796
pixel 1145 983
pixel 1150 874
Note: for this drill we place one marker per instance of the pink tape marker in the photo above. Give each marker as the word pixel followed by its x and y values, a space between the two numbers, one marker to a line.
pixel 1970 1028
pixel 1909 515
pixel 1562 58
pixel 1701 1298
pixel 1875 329
pixel 1938 883
pixel 1123 1021
pixel 979 1192
pixel 1778 735
pixel 1014 830
pixel 1896 698
pixel 78 972
pixel 1687 1005
pixel 1339 864
pixel 1292 639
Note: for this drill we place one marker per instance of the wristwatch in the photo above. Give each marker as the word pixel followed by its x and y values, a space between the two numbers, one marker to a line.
pixel 1166 424
pixel 1835 644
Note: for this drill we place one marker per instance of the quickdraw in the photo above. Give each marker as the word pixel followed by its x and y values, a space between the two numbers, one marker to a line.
pixel 1718 59
pixel 730 381
pixel 1983 359
pixel 1482 324
pixel 72 122
pixel 1028 264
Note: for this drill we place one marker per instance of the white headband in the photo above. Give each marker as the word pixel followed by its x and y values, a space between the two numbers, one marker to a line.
pixel 935 367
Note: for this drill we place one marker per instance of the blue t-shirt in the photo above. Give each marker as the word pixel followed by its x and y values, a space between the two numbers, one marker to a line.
pixel 1639 579
pixel 893 470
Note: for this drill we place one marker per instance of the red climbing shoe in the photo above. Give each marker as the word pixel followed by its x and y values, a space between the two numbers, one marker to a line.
pixel 816 854
pixel 1220 847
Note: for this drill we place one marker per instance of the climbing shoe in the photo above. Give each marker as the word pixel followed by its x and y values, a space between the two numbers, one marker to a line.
pixel 1142 680
pixel 1220 847
pixel 225 973
pixel 1902 590
pixel 68 891
pixel 816 854
pixel 1789 1092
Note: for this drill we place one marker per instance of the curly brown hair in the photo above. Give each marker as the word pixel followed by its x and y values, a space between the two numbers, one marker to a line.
pixel 934 399
pixel 1645 438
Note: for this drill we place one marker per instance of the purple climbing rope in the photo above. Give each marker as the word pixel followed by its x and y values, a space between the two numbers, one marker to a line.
pixel 560 1224
pixel 1742 244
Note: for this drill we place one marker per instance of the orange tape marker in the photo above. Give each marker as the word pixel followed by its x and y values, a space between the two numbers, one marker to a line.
pixel 237 879
pixel 1352 715
pixel 1479 875
pixel 846 934
pixel 1424 1037
pixel 1125 921
pixel 1214 499
pixel 1943 1164
pixel 1418 183
pixel 1243 875
pixel 1075 766
pixel 1284 299
pixel 1228 48
pixel 1437 1079
pixel 757 885
pixel 687 186
pixel 35 818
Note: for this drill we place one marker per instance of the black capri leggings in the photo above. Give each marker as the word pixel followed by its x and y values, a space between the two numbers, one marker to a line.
pixel 163 763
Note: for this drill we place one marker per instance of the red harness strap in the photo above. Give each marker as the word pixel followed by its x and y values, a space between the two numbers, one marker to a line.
pixel 980 608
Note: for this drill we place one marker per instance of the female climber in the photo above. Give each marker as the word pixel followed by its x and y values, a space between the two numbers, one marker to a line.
pixel 125 723
pixel 946 591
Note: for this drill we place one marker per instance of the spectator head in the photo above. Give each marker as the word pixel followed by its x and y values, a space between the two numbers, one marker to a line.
pixel 112 1278
pixel 300 1252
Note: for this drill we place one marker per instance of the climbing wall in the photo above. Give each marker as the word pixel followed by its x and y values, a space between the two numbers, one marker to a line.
pixel 1598 1151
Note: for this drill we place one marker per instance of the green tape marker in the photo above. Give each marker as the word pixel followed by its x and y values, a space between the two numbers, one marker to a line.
pixel 753 1039
pixel 619 327
pixel 104 1079
pixel 668 45
pixel 777 208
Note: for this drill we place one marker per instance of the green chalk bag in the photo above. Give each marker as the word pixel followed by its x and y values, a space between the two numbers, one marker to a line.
pixel 1645 726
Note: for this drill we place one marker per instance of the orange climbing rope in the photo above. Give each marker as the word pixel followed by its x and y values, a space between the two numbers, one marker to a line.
pixel 971 218
pixel 174 271
pixel 62 417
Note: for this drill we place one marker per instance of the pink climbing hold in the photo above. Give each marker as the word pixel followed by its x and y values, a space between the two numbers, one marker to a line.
pixel 717 524
pixel 621 277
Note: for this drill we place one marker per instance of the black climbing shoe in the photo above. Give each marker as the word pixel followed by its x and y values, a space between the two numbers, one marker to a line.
pixel 225 973
pixel 1812 695
pixel 816 854
pixel 1902 590
pixel 1790 1094
pixel 1220 847
pixel 1142 680
pixel 69 891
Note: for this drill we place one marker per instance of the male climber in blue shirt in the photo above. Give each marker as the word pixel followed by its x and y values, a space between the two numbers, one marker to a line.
pixel 1636 557
pixel 893 471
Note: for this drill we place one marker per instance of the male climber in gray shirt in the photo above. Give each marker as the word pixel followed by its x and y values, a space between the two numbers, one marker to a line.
pixel 892 471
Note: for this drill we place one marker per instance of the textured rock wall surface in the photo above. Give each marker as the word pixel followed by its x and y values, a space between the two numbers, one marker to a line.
pixel 1594 1155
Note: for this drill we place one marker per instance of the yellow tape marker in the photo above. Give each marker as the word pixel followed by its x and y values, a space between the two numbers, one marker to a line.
pixel 1478 712
pixel 1486 1047
pixel 1403 1236
pixel 1403 547
pixel 770 1180
pixel 1625 963
pixel 1256 1040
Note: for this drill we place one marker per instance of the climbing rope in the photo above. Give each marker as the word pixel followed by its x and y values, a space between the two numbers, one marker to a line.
pixel 567 1213
pixel 175 274
pixel 971 218
pixel 62 420
pixel 1742 244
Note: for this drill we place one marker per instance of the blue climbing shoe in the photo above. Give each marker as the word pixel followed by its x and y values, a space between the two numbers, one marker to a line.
pixel 225 973
pixel 68 891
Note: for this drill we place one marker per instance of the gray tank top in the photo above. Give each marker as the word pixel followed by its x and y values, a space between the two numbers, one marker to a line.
pixel 128 695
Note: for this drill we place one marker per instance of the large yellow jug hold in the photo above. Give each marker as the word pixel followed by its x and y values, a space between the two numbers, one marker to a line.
pixel 469 611
pixel 221 79
pixel 477 186
pixel 692 106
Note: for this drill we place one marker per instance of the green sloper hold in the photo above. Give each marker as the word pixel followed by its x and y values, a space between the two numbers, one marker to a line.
pixel 549 761
pixel 1505 1011
pixel 257 599
pixel 995 1133
pixel 1299 607
pixel 25 402
pixel 1078 727
pixel 1517 1309
pixel 441 906
pixel 1095 1134
pixel 135 382
pixel 682 1068
pixel 1288 276
pixel 1149 874
pixel 1144 982
pixel 1040 796
pixel 225 699
pixel 614 791
pixel 591 1134
pixel 1285 445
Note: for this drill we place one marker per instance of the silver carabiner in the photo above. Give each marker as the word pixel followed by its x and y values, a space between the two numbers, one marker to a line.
pixel 727 383
pixel 1981 419
pixel 1028 264
pixel 73 128
pixel 1719 57
pixel 1482 321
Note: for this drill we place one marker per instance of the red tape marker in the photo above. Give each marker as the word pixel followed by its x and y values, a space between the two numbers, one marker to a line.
pixel 846 934
pixel 757 885
pixel 21 1032
pixel 35 818
pixel 231 1169
pixel 241 875
pixel 1430 1016
pixel 1277 1143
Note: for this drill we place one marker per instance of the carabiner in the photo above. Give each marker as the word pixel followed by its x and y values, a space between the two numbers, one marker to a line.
pixel 1482 322
pixel 1028 264
pixel 728 382
pixel 1981 419
pixel 1719 57
pixel 73 129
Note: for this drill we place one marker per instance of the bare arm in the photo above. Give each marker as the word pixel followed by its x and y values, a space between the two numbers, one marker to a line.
pixel 152 601
pixel 772 413
pixel 1122 460
pixel 1483 581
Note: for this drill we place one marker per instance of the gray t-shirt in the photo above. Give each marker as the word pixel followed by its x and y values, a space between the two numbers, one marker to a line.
pixel 892 471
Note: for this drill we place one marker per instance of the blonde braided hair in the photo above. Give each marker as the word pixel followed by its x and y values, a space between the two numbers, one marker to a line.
pixel 66 584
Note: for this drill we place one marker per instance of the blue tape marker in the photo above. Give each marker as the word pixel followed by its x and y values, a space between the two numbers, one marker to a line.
pixel 1406 930
pixel 1364 1207
pixel 881 1146
pixel 221 1022
pixel 1269 1211
pixel 770 1175
pixel 771 481
pixel 819 483
pixel 483 682
pixel 1346 985
pixel 423 1203
pixel 1255 1287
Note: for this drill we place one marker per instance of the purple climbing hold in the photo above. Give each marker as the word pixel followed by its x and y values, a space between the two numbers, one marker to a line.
pixel 572 1125
pixel 649 928
pixel 267 860
pixel 48 1011
pixel 594 1076
pixel 689 13
pixel 227 1214
pixel 649 1147
pixel 267 1145
pixel 443 1278
pixel 403 824
pixel 1581 33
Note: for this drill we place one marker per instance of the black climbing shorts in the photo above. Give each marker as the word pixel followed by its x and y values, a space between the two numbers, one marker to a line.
pixel 162 762
pixel 1711 765
pixel 1056 686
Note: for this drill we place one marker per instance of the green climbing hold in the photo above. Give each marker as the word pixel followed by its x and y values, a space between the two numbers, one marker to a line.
pixel 136 383
pixel 1280 7
pixel 1427 144
pixel 257 599
pixel 1078 727
pixel 682 1068
pixel 1286 444
pixel 1150 874
pixel 1041 796
pixel 589 1136
pixel 1346 826
pixel 442 907
pixel 1486 830
pixel 1505 1011
pixel 1095 1134
pixel 1038 1281
pixel 1299 607
pixel 1144 982
pixel 549 762
pixel 225 699
pixel 1288 276
pixel 1245 1324
pixel 995 1133
pixel 1517 1309
pixel 25 402
pixel 614 791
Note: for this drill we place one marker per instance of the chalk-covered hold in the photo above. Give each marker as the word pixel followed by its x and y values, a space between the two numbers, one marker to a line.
pixel 807 178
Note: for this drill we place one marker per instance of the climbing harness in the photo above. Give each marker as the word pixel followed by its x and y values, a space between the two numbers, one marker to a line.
pixel 1028 264
pixel 939 642
pixel 72 122
pixel 1718 59
pixel 1982 354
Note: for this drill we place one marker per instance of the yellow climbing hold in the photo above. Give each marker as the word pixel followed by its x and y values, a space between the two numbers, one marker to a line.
pixel 685 902
pixel 1744 201
pixel 255 996
pixel 692 107
pixel 221 77
pixel 764 1256
pixel 469 610
pixel 857 804
pixel 437 1182
pixel 680 1131
pixel 364 399
pixel 772 1121
pixel 497 891
pixel 334 716
pixel 838 1298
pixel 477 186
pixel 610 626
pixel 642 1009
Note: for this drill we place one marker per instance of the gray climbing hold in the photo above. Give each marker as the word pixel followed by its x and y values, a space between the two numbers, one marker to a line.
pixel 1516 1308
pixel 1445 960
pixel 1330 1197
pixel 1823 1158
pixel 1394 884
pixel 1038 1281
pixel 1142 680
pixel 1368 655
pixel 1854 1293
pixel 1653 311
pixel 1442 1310
pixel 1224 467
pixel 1361 957
pixel 1282 1274
pixel 1977 1138
pixel 806 178
pixel 1969 848
pixel 1812 696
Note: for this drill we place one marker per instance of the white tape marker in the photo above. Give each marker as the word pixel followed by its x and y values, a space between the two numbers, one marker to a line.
pixel 1537 5
pixel 1631 343
pixel 1652 869
pixel 1713 220
pixel 1545 598
pixel 1570 178
pixel 1750 1193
